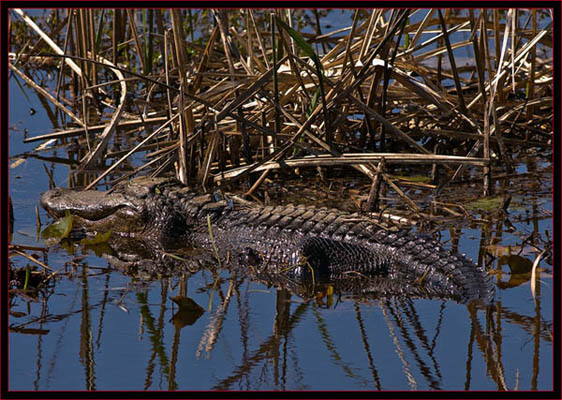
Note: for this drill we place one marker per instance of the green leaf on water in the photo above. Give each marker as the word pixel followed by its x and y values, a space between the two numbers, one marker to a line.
pixel 58 230
pixel 99 249
pixel 99 238
pixel 414 178
pixel 486 204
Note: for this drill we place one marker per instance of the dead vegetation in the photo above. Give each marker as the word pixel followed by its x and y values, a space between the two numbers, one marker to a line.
pixel 223 95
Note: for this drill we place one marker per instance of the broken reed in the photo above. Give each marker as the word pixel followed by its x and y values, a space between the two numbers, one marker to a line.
pixel 218 94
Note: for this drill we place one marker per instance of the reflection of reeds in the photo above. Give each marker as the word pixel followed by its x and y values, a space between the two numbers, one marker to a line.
pixel 367 347
pixel 86 354
pixel 401 355
pixel 263 352
pixel 489 345
pixel 214 327
pixel 401 307
pixel 332 349
pixel 155 330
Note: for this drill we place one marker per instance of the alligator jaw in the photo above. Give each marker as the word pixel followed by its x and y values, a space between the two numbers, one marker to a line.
pixel 94 205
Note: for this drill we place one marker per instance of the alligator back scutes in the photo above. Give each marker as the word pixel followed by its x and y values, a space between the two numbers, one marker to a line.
pixel 340 242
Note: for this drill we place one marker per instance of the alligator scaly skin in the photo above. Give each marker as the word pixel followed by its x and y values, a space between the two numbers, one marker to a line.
pixel 334 243
pixel 286 242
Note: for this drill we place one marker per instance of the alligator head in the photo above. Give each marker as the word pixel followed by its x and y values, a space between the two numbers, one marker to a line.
pixel 125 210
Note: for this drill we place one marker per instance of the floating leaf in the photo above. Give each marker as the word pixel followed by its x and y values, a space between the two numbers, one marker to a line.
pixel 486 204
pixel 100 249
pixel 57 231
pixel 189 311
pixel 99 238
pixel 414 178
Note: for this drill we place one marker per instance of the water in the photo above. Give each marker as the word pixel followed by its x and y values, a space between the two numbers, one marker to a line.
pixel 99 329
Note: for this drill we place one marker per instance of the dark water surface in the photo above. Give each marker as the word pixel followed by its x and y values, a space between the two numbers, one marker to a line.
pixel 99 329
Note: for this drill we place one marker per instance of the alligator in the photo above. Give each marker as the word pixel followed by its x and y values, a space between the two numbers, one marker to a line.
pixel 291 243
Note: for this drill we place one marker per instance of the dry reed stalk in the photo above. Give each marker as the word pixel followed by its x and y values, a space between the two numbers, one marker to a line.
pixel 32 259
pixel 60 76
pixel 110 127
pixel 474 136
pixel 485 51
pixel 138 44
pixel 92 36
pixel 514 26
pixel 420 29
pixel 94 129
pixel 81 43
pixel 375 14
pixel 531 81
pixel 48 40
pixel 400 193
pixel 275 52
pixel 453 64
pixel 347 54
pixel 133 150
pixel 434 39
pixel 372 203
pixel 352 159
pixel 210 152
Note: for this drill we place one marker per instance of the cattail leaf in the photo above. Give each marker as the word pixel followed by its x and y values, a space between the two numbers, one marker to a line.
pixel 301 43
